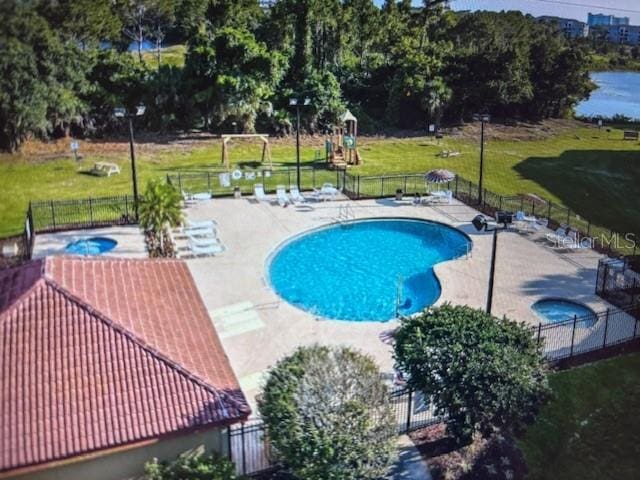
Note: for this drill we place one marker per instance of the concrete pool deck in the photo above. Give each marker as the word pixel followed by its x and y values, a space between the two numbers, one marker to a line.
pixel 257 328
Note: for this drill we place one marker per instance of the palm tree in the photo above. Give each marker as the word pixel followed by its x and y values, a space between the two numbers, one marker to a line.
pixel 159 210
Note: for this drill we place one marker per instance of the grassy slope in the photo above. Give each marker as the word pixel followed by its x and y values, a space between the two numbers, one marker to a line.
pixel 173 56
pixel 590 430
pixel 592 172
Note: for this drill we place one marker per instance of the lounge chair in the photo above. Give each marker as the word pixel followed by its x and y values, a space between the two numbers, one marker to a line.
pixel 296 196
pixel 200 232
pixel 526 223
pixel 258 192
pixel 204 241
pixel 558 236
pixel 327 192
pixel 200 223
pixel 206 250
pixel 281 195
pixel 572 241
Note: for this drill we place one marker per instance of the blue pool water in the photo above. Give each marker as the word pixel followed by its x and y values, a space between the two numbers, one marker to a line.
pixel 368 270
pixel 555 310
pixel 91 246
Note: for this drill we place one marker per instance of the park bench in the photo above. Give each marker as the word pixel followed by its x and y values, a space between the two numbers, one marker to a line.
pixel 105 169
pixel 631 135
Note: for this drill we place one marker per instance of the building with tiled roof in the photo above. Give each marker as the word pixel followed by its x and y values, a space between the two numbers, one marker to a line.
pixel 106 363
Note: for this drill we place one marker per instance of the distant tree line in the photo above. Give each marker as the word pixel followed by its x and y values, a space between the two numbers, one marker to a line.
pixel 65 65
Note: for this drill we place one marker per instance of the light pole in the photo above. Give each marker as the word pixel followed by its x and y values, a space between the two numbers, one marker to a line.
pixel 294 102
pixel 480 223
pixel 124 113
pixel 482 118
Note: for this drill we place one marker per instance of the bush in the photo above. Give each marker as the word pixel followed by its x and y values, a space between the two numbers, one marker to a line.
pixel 485 374
pixel 328 415
pixel 192 467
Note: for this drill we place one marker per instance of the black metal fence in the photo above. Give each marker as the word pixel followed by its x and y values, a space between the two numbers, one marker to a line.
pixel 589 333
pixel 601 239
pixel 59 215
pixel 250 450
pixel 222 182
pixel 618 281
pixel 249 446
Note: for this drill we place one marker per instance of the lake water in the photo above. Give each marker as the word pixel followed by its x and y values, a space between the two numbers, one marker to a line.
pixel 617 93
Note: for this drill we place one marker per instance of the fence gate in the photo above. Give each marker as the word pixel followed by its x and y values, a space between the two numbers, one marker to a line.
pixel 249 448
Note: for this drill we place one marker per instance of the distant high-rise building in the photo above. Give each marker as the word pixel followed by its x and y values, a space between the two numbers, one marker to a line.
pixel 601 20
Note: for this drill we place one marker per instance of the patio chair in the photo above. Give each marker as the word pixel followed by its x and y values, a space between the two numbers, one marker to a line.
pixel 205 250
pixel 258 192
pixel 200 223
pixel 558 236
pixel 296 196
pixel 281 195
pixel 200 231
pixel 203 241
pixel 526 223
pixel 572 241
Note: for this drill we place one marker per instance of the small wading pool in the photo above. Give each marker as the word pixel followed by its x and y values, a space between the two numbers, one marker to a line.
pixel 365 270
pixel 90 246
pixel 557 310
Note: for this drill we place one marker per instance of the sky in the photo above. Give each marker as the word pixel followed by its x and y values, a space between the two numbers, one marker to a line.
pixel 577 9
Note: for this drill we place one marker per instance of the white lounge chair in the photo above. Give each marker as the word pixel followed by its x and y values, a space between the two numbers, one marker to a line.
pixel 572 241
pixel 296 196
pixel 558 236
pixel 258 192
pixel 203 241
pixel 327 192
pixel 207 250
pixel 200 223
pixel 526 223
pixel 200 232
pixel 281 195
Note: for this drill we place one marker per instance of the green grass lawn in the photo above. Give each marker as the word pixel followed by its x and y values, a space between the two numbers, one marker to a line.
pixel 591 429
pixel 594 173
pixel 173 56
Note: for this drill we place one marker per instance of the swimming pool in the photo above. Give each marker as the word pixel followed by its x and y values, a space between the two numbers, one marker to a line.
pixel 365 270
pixel 91 246
pixel 556 310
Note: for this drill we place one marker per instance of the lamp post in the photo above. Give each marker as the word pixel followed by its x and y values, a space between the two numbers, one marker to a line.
pixel 480 223
pixel 124 113
pixel 294 102
pixel 482 118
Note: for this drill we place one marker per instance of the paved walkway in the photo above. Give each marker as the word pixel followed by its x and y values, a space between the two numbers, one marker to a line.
pixel 410 465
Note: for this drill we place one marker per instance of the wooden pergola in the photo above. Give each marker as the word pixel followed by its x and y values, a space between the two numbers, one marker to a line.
pixel 266 149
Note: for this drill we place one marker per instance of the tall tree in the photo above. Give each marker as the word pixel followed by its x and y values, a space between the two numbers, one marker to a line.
pixel 42 77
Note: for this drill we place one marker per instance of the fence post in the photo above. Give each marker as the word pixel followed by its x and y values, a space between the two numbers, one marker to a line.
pixel 358 193
pixel 409 407
pixel 568 217
pixel 244 460
pixel 589 228
pixel 549 212
pixel 53 215
pixel 90 211
pixel 573 334
pixel 179 182
pixel 229 445
pixel 209 182
pixel 539 333
pixel 313 177
pixel 126 207
pixel 456 186
pixel 382 187
pixel 606 327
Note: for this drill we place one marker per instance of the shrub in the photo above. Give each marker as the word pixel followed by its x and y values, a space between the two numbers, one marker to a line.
pixel 192 467
pixel 483 373
pixel 328 415
pixel 159 211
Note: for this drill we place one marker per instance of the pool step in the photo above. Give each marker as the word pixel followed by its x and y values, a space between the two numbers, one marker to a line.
pixel 236 319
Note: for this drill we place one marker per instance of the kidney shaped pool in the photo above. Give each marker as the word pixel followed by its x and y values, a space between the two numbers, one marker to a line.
pixel 365 270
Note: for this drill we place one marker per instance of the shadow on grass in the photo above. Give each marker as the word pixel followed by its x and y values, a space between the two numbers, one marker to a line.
pixel 602 186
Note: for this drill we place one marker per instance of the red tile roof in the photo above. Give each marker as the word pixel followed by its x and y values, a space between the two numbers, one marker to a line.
pixel 100 353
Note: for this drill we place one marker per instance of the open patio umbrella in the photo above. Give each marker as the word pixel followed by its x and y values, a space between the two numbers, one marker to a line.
pixel 439 176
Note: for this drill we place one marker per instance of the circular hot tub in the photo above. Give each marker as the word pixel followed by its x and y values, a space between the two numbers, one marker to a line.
pixel 91 246
pixel 558 310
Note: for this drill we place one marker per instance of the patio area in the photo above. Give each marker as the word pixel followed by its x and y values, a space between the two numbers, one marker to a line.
pixel 258 328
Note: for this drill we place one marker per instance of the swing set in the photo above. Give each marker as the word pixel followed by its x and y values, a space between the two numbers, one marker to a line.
pixel 266 148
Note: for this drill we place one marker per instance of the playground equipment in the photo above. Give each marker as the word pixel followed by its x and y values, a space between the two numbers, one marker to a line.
pixel 341 146
pixel 266 149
